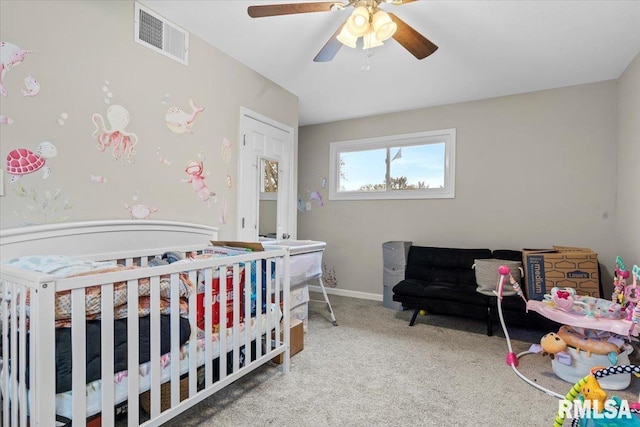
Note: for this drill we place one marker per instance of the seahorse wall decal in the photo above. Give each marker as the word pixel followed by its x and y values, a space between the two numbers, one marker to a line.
pixel 10 56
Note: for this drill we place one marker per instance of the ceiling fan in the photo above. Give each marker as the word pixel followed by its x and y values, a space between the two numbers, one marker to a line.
pixel 368 21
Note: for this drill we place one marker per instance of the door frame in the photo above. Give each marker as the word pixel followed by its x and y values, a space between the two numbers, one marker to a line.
pixel 286 208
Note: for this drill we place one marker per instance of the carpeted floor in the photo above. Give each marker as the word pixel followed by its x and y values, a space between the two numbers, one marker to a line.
pixel 374 370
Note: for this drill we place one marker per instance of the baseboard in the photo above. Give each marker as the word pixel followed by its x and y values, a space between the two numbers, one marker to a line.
pixel 346 293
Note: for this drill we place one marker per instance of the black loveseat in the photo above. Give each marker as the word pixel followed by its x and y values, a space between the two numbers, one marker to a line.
pixel 443 281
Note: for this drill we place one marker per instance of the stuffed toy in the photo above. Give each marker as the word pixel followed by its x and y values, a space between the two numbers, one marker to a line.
pixel 552 344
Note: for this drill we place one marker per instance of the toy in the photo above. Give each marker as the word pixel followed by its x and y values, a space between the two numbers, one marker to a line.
pixel 566 299
pixel 635 316
pixel 517 288
pixel 596 409
pixel 574 351
pixel 588 340
pixel 592 390
pixel 552 344
pixel 620 277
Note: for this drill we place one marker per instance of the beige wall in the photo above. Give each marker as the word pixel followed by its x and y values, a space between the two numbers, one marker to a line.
pixel 83 46
pixel 628 167
pixel 532 171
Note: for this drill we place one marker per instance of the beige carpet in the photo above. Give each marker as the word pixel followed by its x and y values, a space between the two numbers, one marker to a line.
pixel 374 370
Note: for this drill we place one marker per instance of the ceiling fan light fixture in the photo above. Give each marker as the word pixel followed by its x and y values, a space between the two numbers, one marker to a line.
pixel 346 38
pixel 383 26
pixel 370 40
pixel 358 22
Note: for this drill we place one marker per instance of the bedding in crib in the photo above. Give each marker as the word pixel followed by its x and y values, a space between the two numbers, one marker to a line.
pixel 94 360
pixel 67 267
pixel 58 266
pixel 94 389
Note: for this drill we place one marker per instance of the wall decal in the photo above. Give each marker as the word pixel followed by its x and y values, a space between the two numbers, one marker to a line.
pixel 10 56
pixel 223 213
pixel 179 121
pixel 107 93
pixel 225 150
pixel 165 99
pixel 315 195
pixel 162 160
pixel 22 161
pixel 329 276
pixel 62 118
pixel 139 210
pixel 5 120
pixel 196 178
pixel 32 87
pixel 229 182
pixel 122 141
pixel 97 179
pixel 45 208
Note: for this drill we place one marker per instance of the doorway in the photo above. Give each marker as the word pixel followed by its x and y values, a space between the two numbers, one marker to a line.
pixel 265 178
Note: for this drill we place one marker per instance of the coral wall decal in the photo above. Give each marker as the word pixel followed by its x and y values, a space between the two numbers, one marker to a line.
pixel 47 208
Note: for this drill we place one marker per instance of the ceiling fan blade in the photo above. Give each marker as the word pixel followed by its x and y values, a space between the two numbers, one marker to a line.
pixel 331 47
pixel 289 9
pixel 413 41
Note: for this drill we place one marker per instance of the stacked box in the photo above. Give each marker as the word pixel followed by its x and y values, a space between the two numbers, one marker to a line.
pixel 296 340
pixel 561 266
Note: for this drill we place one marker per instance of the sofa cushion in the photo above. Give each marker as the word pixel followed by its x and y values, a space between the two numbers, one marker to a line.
pixel 444 265
pixel 440 291
pixel 507 254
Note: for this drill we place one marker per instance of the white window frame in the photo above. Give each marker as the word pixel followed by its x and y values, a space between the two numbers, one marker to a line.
pixel 446 136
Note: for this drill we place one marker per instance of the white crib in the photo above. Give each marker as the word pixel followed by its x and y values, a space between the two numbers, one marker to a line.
pixel 211 357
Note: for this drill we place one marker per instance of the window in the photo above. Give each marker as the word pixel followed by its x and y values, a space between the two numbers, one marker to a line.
pixel 269 184
pixel 412 166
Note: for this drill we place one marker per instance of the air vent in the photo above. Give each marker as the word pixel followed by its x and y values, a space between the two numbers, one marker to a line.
pixel 160 35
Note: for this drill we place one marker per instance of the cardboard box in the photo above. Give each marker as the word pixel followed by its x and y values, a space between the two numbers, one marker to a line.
pixel 296 345
pixel 561 266
pixel 251 246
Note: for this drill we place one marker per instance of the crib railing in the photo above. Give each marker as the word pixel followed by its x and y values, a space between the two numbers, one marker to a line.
pixel 259 282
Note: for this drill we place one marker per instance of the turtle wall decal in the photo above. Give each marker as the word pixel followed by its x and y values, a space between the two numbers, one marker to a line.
pixel 22 161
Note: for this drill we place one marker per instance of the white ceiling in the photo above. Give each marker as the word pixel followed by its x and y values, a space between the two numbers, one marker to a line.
pixel 486 49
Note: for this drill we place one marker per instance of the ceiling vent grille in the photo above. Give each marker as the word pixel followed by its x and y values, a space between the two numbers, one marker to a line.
pixel 160 35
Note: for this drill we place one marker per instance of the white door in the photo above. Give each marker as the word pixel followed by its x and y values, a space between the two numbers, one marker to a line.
pixel 263 139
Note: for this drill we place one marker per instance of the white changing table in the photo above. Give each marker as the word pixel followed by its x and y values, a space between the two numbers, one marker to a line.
pixel 305 264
